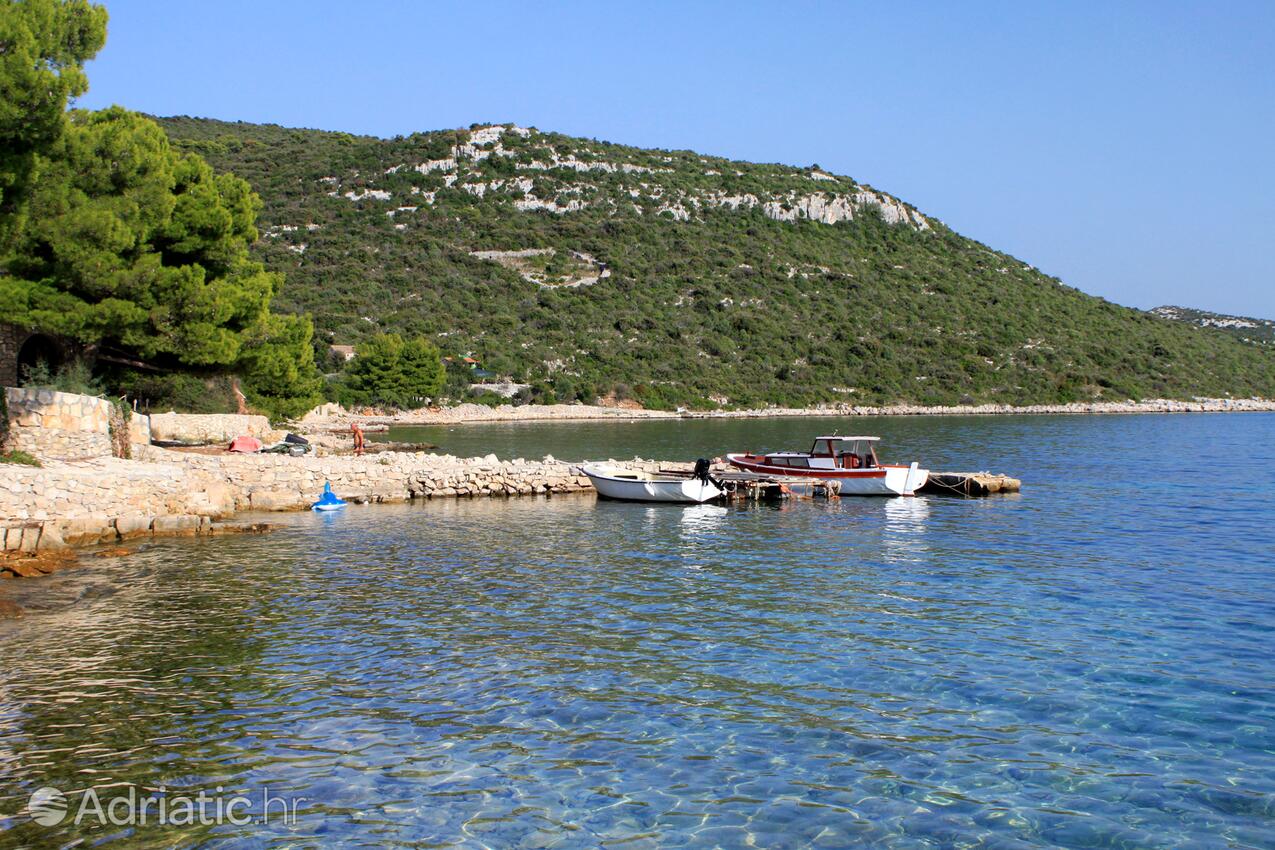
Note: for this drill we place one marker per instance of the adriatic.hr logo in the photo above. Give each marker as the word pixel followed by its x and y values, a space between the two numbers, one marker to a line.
pixel 47 806
pixel 134 806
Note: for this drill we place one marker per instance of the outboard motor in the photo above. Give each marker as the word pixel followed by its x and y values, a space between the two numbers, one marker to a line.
pixel 701 470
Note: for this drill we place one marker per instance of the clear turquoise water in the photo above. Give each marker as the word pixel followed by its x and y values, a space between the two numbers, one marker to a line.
pixel 1091 664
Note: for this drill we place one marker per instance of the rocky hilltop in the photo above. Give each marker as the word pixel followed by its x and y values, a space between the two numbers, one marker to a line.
pixel 828 199
pixel 1245 328
pixel 589 269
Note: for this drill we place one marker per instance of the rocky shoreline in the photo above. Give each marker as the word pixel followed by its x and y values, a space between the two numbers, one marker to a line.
pixel 477 413
pixel 43 548
pixel 161 492
pixel 51 516
pixel 471 413
pixel 100 483
pixel 1159 405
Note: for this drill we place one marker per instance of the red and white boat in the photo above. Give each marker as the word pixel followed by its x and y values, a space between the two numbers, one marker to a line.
pixel 852 461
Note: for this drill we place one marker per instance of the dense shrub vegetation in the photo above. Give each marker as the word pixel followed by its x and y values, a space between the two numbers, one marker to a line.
pixel 714 306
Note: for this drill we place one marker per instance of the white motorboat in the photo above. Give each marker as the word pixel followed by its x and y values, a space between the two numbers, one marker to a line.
pixel 850 461
pixel 635 485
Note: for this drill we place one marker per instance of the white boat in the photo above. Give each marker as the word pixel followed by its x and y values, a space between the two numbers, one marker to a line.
pixel 850 461
pixel 635 485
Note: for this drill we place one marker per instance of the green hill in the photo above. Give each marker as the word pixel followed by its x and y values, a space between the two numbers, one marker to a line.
pixel 684 279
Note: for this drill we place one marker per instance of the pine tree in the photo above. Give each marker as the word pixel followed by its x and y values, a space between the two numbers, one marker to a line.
pixel 43 47
pixel 395 372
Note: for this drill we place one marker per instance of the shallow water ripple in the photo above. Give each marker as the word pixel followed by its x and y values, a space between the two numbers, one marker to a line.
pixel 1088 665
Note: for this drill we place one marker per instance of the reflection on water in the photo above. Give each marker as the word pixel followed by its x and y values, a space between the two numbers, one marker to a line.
pixel 906 516
pixel 701 519
pixel 903 537
pixel 1088 665
pixel 701 528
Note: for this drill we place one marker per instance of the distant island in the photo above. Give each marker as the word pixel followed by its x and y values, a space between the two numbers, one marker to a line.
pixel 585 269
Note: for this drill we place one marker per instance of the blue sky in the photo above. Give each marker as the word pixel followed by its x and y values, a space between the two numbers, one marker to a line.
pixel 1128 148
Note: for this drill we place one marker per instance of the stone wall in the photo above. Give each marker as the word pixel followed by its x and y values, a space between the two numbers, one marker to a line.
pixel 63 426
pixel 11 338
pixel 108 487
pixel 139 430
pixel 210 428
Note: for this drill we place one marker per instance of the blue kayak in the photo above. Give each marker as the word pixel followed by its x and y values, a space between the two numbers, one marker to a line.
pixel 328 501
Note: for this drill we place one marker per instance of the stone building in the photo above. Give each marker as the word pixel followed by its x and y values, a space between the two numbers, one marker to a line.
pixel 22 347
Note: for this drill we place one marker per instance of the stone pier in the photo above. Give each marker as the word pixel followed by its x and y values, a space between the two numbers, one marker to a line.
pixel 82 494
pixel 106 500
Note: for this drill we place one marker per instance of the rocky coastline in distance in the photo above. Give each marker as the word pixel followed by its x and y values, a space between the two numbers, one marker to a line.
pixel 477 413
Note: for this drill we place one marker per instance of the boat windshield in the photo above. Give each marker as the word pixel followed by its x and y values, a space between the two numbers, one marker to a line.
pixel 850 452
pixel 865 454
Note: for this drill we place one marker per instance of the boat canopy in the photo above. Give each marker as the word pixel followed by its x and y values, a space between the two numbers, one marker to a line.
pixel 837 446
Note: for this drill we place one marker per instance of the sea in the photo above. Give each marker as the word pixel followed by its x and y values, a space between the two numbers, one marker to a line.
pixel 1089 663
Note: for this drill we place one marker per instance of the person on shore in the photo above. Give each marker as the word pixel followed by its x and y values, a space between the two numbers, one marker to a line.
pixel 358 438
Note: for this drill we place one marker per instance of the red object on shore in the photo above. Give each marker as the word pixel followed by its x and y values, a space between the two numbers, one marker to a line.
pixel 245 444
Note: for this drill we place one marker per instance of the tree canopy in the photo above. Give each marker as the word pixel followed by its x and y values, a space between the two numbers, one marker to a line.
pixel 124 243
pixel 392 371
pixel 278 366
pixel 132 243
pixel 43 47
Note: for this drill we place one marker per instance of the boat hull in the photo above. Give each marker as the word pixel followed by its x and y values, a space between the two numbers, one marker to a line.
pixel 611 485
pixel 890 480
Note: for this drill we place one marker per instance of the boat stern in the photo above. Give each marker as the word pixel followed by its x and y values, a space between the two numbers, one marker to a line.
pixel 906 480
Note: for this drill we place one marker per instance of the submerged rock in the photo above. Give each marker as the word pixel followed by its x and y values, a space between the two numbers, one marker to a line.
pixel 240 528
pixel 35 565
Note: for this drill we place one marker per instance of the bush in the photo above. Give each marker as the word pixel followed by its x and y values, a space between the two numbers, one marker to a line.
pixel 72 377
pixel 21 458
pixel 566 389
pixel 538 393
pixel 487 397
pixel 457 380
